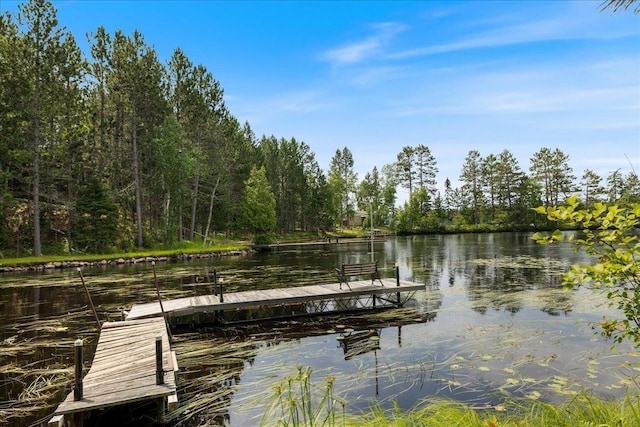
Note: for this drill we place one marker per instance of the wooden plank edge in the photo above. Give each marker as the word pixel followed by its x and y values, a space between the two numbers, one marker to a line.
pixel 172 402
pixel 129 322
pixel 56 421
pixel 174 362
pixel 69 406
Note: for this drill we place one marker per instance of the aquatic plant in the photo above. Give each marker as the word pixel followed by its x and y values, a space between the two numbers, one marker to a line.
pixel 295 405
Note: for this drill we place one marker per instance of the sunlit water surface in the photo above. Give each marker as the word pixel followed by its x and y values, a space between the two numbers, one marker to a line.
pixel 492 322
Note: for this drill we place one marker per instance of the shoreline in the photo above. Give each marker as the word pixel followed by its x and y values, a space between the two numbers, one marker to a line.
pixel 61 265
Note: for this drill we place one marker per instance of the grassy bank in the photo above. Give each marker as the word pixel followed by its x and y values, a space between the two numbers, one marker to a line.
pixel 157 253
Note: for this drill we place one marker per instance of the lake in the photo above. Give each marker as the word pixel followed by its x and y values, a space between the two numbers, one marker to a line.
pixel 492 322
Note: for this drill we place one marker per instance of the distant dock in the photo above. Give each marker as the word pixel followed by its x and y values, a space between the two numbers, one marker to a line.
pixel 387 292
pixel 326 244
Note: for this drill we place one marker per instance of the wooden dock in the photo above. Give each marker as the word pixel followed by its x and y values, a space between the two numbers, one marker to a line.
pixel 133 361
pixel 325 243
pixel 124 371
pixel 189 306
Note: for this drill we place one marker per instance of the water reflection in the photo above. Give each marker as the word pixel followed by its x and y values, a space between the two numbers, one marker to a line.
pixel 217 363
pixel 492 322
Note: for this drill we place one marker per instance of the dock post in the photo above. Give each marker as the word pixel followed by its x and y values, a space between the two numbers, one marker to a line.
pixel 159 368
pixel 221 293
pixel 77 389
pixel 398 283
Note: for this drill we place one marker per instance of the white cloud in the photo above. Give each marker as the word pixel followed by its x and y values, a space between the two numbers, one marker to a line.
pixel 354 52
pixel 371 46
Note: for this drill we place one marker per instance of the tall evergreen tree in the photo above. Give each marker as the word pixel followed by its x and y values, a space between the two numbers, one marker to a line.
pixel 138 84
pixel 615 186
pixel 317 206
pixel 46 64
pixel 490 181
pixel 197 101
pixel 591 187
pixel 342 180
pixel 448 201
pixel 259 206
pixel 389 190
pixel 426 169
pixel 552 170
pixel 471 177
pixel 14 153
pixel 99 69
pixel 406 168
pixel 631 191
pixel 96 219
pixel 369 195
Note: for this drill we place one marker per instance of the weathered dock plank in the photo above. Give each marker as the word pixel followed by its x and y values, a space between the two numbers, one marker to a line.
pixel 124 367
pixel 271 297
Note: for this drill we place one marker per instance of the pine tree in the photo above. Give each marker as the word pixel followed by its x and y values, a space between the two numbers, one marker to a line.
pixel 259 207
pixel 96 218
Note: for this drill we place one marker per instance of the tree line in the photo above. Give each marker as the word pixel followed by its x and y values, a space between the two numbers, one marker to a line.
pixel 120 151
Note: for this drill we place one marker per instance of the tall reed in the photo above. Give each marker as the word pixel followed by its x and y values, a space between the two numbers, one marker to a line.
pixel 296 402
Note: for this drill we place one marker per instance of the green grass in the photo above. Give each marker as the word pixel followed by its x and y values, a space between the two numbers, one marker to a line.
pixel 583 410
pixel 190 248
pixel 296 403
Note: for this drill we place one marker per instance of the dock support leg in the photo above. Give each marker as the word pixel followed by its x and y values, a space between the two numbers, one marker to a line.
pixel 398 283
pixel 77 389
pixel 161 418
pixel 159 368
pixel 78 419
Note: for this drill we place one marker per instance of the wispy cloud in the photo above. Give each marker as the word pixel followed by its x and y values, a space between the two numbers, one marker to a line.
pixel 553 86
pixel 573 23
pixel 370 46
pixel 368 76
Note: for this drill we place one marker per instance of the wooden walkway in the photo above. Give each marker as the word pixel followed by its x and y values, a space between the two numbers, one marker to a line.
pixel 327 243
pixel 270 297
pixel 124 369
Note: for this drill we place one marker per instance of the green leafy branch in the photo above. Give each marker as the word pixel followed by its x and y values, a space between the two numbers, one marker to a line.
pixel 610 235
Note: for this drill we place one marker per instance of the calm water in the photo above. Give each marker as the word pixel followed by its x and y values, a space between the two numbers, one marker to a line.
pixel 492 322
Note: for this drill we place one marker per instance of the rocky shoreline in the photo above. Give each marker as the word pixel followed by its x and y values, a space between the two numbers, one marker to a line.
pixel 119 261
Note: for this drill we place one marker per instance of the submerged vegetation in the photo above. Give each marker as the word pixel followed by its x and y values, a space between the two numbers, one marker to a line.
pixel 500 335
pixel 516 379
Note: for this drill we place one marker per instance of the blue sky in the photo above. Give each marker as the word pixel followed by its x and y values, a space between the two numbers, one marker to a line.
pixel 376 76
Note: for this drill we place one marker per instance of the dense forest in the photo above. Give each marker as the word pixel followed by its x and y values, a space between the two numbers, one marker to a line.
pixel 118 150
